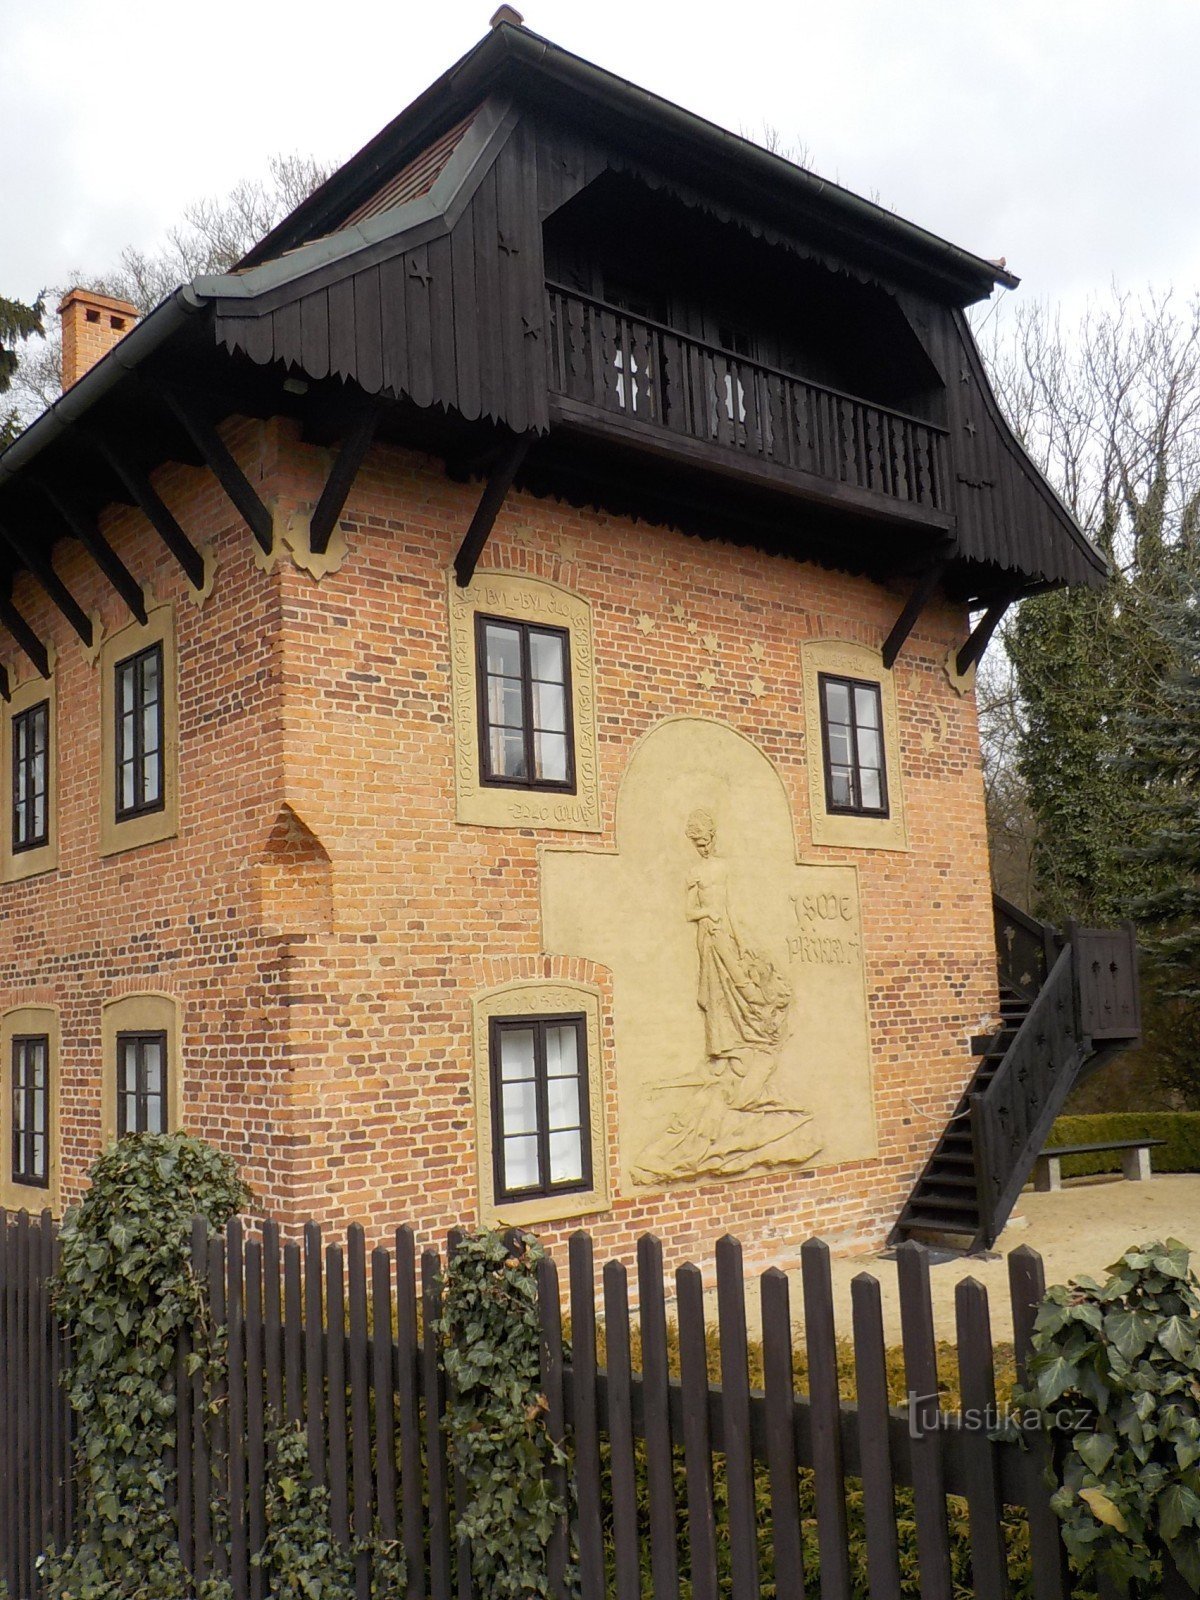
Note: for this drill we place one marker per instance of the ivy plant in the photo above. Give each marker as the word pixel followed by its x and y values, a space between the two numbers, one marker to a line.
pixel 496 1414
pixel 1115 1371
pixel 125 1289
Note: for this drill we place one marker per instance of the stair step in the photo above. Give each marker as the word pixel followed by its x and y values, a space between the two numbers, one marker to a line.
pixel 948 1180
pixel 933 1223
pixel 952 1206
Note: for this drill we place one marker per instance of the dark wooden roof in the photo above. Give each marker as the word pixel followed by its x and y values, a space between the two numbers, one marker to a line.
pixel 417 275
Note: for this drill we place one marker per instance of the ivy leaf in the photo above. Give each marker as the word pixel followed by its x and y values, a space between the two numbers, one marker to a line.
pixel 1103 1509
pixel 1128 1331
pixel 1097 1450
pixel 1178 1507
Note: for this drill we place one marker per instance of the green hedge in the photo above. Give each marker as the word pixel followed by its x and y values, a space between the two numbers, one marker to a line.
pixel 1180 1129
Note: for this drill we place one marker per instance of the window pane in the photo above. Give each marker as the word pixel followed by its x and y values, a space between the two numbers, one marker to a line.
pixel 550 754
pixel 503 650
pixel 839 745
pixel 150 780
pixel 516 1054
pixel 40 721
pixel 866 707
pixel 562 1102
pixel 837 702
pixel 153 1059
pixel 520 1163
pixel 504 702
pixel 154 1114
pixel 508 753
pixel 125 687
pixel 868 747
pixel 549 707
pixel 38 1167
pixel 546 656
pixel 150 676
pixel 872 796
pixel 841 787
pixel 150 729
pixel 519 1108
pixel 562 1051
pixel 127 800
pixel 566 1157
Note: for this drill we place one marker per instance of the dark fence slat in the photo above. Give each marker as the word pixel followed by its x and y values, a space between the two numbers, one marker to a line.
pixel 293 1332
pixel 735 1406
pixel 825 1416
pixel 360 1406
pixel 977 1386
pixel 239 1555
pixel 434 1383
pixel 458 1486
pixel 60 1525
pixel 383 1385
pixel 256 1441
pixel 921 1376
pixel 272 1322
pixel 219 1412
pixel 23 1455
pixel 779 1385
pixel 875 1461
pixel 201 1464
pixel 1027 1286
pixel 46 1387
pixel 660 1473
pixel 697 1443
pixel 314 1353
pixel 8 1413
pixel 620 1433
pixel 335 1366
pixel 551 1357
pixel 409 1409
pixel 586 1423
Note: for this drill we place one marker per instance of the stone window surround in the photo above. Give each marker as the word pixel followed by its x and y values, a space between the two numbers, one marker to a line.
pixel 130 833
pixel 16 1022
pixel 539 997
pixel 534 600
pixel 16 865
pixel 867 831
pixel 150 1011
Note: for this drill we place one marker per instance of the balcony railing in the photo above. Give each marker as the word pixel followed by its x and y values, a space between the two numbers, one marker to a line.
pixel 653 376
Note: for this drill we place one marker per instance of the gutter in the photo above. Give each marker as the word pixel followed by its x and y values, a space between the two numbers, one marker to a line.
pixel 149 335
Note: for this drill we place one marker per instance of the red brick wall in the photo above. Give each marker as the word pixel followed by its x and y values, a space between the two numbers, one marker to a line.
pixel 325 969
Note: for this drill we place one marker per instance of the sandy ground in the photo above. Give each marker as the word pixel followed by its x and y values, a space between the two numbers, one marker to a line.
pixel 1082 1228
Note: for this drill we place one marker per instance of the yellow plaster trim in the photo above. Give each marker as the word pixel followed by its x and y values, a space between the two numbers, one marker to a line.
pixel 961 682
pixel 150 1012
pixel 134 832
pixel 532 998
pixel 292 537
pixel 846 659
pixel 20 864
pixel 524 599
pixel 27 1196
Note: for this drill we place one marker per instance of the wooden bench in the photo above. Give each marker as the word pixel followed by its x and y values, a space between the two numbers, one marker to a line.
pixel 1135 1160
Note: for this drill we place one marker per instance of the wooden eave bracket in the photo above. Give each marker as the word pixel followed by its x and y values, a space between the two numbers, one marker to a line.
pixel 218 457
pixel 52 585
pixel 495 490
pixel 341 477
pixel 923 592
pixel 972 651
pixel 5 686
pixel 147 499
pixel 24 636
pixel 83 528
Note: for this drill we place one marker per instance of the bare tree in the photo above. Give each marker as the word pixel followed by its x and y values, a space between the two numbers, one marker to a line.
pixel 213 235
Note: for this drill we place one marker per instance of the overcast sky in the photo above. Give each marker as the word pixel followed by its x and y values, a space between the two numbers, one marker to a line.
pixel 1061 134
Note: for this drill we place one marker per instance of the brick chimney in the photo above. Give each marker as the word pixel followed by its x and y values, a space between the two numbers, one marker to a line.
pixel 91 324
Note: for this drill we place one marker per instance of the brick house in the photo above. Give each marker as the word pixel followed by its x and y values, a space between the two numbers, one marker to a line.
pixel 488 702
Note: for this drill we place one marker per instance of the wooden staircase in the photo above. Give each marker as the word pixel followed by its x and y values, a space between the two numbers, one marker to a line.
pixel 1067 1005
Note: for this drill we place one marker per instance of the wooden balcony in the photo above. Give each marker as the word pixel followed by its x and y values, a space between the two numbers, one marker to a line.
pixel 643 383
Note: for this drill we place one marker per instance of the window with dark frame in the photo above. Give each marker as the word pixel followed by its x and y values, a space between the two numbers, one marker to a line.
pixel 852 735
pixel 31 777
pixel 524 683
pixel 31 1109
pixel 540 1140
pixel 141 1083
pixel 140 761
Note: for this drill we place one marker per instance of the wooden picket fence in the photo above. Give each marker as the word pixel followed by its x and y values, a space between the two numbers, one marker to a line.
pixel 644 1437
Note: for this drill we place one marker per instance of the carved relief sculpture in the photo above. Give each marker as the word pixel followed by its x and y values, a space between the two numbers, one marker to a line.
pixel 732 1120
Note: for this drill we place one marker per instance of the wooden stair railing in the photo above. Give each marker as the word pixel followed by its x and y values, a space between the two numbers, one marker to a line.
pixel 1067 1005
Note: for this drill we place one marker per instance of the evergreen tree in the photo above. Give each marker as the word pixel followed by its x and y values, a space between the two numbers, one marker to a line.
pixel 18 322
